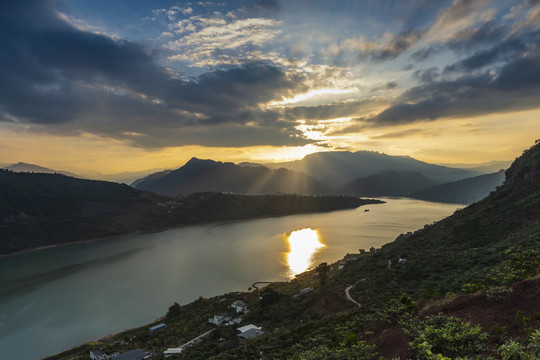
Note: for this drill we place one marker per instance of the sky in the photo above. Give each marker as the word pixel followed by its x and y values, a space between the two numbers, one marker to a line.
pixel 131 84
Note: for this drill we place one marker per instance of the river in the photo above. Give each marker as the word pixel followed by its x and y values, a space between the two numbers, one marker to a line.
pixel 56 298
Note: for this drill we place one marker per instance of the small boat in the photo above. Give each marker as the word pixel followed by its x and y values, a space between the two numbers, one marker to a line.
pixel 366 210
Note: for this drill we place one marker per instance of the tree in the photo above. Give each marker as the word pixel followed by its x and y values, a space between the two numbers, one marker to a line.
pixel 173 312
pixel 322 273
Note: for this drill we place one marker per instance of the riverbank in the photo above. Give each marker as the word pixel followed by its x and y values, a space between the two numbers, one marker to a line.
pixel 152 214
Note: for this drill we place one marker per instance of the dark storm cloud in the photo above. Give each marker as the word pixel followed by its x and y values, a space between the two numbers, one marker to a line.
pixel 54 73
pixel 515 87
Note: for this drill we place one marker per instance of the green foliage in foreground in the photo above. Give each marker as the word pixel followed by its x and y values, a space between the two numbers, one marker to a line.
pixel 447 335
pixel 355 352
pixel 515 350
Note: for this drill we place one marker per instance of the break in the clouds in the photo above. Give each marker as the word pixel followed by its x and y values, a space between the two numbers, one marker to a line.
pixel 247 73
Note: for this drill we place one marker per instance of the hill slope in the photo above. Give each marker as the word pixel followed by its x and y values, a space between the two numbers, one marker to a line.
pixel 466 191
pixel 31 168
pixel 208 175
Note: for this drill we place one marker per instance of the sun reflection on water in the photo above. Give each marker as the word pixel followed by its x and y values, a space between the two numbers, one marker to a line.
pixel 303 244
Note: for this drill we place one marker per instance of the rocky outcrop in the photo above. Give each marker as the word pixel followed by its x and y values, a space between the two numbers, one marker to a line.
pixel 526 168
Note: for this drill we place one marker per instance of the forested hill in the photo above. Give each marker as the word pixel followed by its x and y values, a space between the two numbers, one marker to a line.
pixel 464 287
pixel 48 209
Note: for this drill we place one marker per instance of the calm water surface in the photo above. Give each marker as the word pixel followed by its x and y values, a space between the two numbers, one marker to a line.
pixel 57 298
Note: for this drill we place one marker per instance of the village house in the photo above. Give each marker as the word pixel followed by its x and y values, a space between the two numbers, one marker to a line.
pixel 248 332
pixel 239 306
pixel 98 354
pixel 157 329
pixel 190 343
pixel 303 291
pixel 220 319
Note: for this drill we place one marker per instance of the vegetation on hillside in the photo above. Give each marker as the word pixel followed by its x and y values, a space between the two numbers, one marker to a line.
pixel 48 209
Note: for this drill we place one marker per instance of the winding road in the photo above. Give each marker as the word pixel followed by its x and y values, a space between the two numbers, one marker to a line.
pixel 349 297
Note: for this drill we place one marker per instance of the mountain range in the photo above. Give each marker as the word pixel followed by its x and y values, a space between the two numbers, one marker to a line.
pixel 336 168
pixel 208 175
pixel 362 173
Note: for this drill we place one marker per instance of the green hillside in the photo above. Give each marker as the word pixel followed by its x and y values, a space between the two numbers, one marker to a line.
pixel 466 287
pixel 49 209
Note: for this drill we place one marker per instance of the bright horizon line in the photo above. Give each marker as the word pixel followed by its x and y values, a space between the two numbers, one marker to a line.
pixel 263 162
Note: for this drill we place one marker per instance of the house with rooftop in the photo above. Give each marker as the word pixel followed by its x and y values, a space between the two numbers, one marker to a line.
pixel 98 354
pixel 220 319
pixel 248 332
pixel 239 306
pixel 156 329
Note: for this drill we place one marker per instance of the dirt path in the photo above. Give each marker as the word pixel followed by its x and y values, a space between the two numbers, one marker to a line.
pixel 349 297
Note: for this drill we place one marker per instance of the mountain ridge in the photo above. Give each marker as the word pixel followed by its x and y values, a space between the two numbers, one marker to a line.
pixel 466 191
pixel 209 175
pixel 336 168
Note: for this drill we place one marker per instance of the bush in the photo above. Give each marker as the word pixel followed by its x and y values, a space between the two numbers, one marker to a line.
pixel 513 350
pixel 497 293
pixel 441 334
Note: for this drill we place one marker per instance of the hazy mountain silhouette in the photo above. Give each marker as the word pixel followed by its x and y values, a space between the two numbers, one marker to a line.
pixel 484 168
pixel 31 168
pixel 388 183
pixel 207 175
pixel 336 168
pixel 466 191
pixel 151 177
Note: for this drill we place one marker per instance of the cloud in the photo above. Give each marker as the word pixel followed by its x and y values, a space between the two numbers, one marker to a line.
pixel 515 87
pixel 397 45
pixel 427 75
pixel 208 38
pixel 461 15
pixel 333 111
pixel 398 134
pixel 386 47
pixel 388 86
pixel 61 79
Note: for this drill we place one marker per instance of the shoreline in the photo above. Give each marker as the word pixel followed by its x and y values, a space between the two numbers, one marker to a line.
pixel 52 246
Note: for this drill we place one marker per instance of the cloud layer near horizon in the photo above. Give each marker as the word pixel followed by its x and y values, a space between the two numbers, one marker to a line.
pixel 240 73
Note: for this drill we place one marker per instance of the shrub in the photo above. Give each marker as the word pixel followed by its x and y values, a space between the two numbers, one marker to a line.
pixel 497 293
pixel 441 334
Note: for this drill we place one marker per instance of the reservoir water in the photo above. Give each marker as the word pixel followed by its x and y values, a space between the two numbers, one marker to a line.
pixel 56 298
